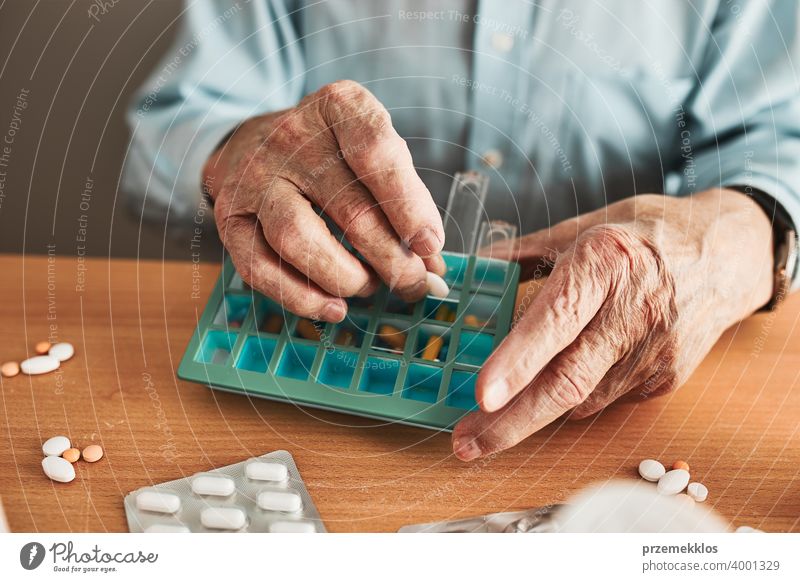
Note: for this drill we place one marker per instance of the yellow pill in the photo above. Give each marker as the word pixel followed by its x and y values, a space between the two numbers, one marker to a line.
pixel 680 465
pixel 443 313
pixel 433 347
pixel 72 455
pixel 472 320
pixel 345 338
pixel 42 348
pixel 92 453
pixel 392 337
pixel 9 369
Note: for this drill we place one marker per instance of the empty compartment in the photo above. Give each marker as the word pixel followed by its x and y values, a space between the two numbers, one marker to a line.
pixel 433 342
pixel 391 335
pixel 270 317
pixel 397 306
pixel 461 391
pixel 338 368
pixel 474 348
pixel 443 310
pixel 422 383
pixel 482 311
pixel 351 331
pixel 490 275
pixel 309 329
pixel 233 310
pixel 456 268
pixel 296 361
pixel 216 347
pixel 379 375
pixel 236 283
pixel 256 354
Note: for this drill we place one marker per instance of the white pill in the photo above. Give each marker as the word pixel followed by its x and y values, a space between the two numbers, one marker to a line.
pixel 261 471
pixel 697 491
pixel 673 482
pixel 747 529
pixel 212 485
pixel 58 469
pixel 437 286
pixel 55 446
pixel 158 501
pixel 62 351
pixel 279 501
pixel 167 528
pixel 651 470
pixel 292 527
pixel 39 365
pixel 223 518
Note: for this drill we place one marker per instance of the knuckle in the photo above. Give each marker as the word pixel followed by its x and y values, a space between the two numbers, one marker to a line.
pixel 568 388
pixel 361 218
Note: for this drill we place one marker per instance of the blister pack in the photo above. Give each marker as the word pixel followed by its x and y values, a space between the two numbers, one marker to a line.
pixel 262 494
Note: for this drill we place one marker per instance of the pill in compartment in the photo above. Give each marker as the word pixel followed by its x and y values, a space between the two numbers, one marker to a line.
pixel 230 518
pixel 158 502
pixel 261 471
pixel 213 485
pixel 285 501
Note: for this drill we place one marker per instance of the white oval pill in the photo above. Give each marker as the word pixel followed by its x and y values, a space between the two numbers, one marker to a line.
pixel 213 485
pixel 651 470
pixel 436 285
pixel 261 471
pixel 697 491
pixel 167 528
pixel 158 501
pixel 288 501
pixel 39 365
pixel 62 351
pixel 55 446
pixel 58 469
pixel 292 527
pixel 747 529
pixel 673 482
pixel 223 518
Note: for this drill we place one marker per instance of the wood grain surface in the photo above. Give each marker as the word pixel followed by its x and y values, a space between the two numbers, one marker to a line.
pixel 737 421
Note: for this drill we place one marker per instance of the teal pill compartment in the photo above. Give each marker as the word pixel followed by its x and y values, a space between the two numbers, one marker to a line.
pixel 408 363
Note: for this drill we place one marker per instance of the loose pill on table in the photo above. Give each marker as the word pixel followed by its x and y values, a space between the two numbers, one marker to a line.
pixel 651 470
pixel 673 482
pixel 747 529
pixel 42 348
pixel 55 446
pixel 261 471
pixel 39 365
pixel 58 469
pixel 62 351
pixel 213 485
pixel 71 455
pixel 167 528
pixel 9 369
pixel 436 285
pixel 680 465
pixel 697 491
pixel 292 527
pixel 158 502
pixel 287 501
pixel 223 518
pixel 92 453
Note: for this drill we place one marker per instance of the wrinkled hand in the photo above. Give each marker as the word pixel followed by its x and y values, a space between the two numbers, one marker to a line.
pixel 639 293
pixel 337 150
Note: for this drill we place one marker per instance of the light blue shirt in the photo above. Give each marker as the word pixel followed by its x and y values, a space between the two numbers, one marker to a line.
pixel 567 105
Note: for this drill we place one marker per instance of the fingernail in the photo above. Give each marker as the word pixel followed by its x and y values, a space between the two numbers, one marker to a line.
pixel 334 312
pixel 466 449
pixel 425 243
pixel 496 395
pixel 436 264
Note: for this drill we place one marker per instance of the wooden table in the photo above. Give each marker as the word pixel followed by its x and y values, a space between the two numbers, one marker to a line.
pixel 737 421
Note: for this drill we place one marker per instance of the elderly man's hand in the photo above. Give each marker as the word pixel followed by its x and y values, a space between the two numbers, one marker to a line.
pixel 639 293
pixel 336 150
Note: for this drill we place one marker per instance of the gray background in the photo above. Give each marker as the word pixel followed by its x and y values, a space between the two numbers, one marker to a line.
pixel 80 74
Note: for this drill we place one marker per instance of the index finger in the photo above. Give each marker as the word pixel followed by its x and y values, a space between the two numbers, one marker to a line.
pixel 380 159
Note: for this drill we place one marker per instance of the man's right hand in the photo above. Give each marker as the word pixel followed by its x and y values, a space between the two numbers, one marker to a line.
pixel 337 150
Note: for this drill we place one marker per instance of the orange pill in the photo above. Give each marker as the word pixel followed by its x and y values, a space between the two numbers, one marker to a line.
pixel 472 320
pixel 432 348
pixel 274 324
pixel 42 348
pixel 9 369
pixel 308 330
pixel 72 455
pixel 680 465
pixel 92 453
pixel 393 337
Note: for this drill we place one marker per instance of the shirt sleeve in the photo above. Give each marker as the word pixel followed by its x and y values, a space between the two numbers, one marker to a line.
pixel 744 119
pixel 229 62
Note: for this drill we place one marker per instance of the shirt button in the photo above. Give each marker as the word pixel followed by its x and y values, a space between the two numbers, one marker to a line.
pixel 502 42
pixel 492 159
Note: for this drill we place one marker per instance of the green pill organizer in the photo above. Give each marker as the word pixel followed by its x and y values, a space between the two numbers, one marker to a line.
pixel 374 363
